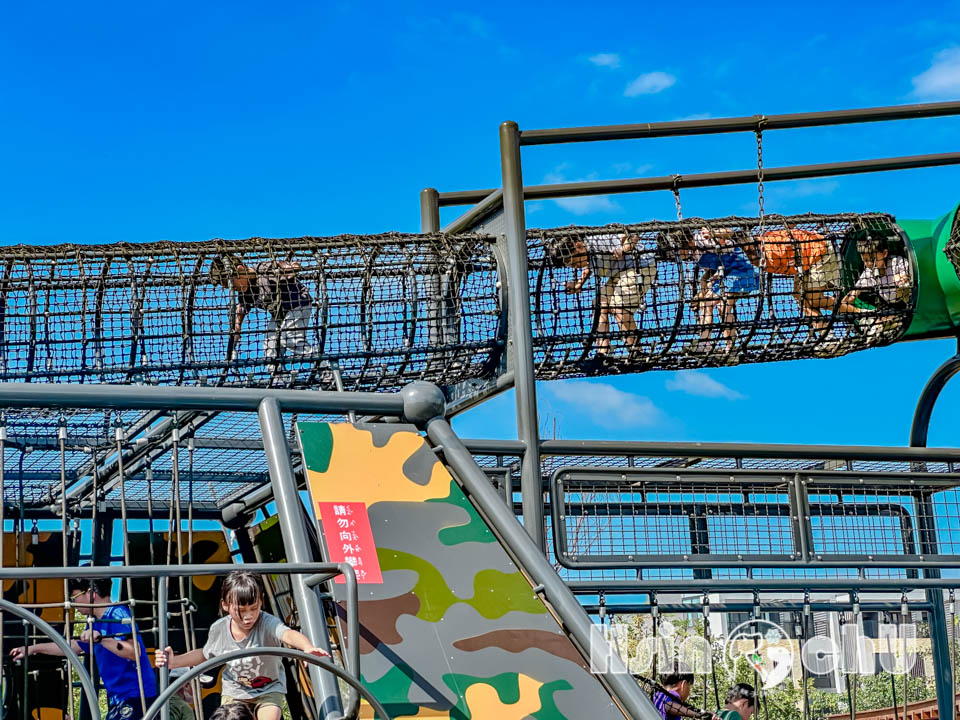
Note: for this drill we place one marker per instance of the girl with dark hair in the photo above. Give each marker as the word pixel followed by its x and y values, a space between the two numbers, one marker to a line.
pixel 256 681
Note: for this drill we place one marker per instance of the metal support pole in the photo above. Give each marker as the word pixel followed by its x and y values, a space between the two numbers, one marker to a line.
pixel 162 639
pixel 530 559
pixel 429 210
pixel 939 637
pixel 531 483
pixel 297 543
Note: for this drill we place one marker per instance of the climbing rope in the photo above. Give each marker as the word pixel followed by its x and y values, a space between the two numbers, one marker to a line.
pixel 67 606
pixel 120 436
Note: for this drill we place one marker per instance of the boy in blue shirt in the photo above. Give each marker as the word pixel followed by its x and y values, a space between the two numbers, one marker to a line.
pixel 112 638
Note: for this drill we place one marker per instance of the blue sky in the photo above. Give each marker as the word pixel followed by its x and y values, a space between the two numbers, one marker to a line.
pixel 177 121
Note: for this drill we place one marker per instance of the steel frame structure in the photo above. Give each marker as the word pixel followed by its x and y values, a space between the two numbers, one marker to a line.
pixel 494 488
pixel 509 199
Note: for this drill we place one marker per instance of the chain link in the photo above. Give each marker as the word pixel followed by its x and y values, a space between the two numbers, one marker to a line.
pixel 760 169
pixel 676 197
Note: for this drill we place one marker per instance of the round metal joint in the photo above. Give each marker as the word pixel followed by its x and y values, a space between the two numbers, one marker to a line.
pixel 422 402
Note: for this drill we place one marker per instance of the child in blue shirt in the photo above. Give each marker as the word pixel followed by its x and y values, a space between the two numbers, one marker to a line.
pixel 728 275
pixel 115 643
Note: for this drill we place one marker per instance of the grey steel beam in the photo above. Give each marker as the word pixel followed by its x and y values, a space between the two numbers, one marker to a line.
pixel 730 450
pixel 760 584
pixel 716 179
pixel 146 571
pixel 162 637
pixel 525 388
pixel 748 607
pixel 429 211
pixel 296 540
pixel 140 397
pixel 738 124
pixel 490 205
pixel 531 560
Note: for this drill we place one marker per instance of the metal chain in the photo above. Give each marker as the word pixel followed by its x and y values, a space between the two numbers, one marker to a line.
pixel 760 168
pixel 676 197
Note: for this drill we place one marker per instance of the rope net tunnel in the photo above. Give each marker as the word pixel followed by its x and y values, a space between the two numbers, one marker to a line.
pixel 383 310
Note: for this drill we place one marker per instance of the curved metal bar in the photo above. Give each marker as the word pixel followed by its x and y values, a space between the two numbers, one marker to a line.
pixel 85 682
pixel 928 399
pixel 215 662
pixel 928 536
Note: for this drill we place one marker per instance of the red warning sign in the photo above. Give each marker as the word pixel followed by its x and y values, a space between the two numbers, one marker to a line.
pixel 346 528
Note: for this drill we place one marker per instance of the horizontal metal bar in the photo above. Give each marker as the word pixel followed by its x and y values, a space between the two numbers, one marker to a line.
pixel 746 607
pixel 715 585
pixel 748 450
pixel 138 397
pixel 490 205
pixel 140 571
pixel 737 124
pixel 819 481
pixel 716 179
pixel 778 561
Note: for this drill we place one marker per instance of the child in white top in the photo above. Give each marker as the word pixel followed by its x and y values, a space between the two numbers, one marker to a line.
pixel 257 681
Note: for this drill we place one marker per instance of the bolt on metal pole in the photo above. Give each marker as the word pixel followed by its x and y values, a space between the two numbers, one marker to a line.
pixel 326 692
pixel 531 484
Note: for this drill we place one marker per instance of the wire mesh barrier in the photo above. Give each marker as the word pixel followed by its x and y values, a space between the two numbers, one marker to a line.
pixel 700 293
pixel 383 309
pixel 750 516
pixel 629 514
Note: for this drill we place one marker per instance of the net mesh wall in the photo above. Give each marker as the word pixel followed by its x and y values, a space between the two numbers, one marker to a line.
pixel 700 293
pixel 386 309
pixel 389 309
pixel 623 511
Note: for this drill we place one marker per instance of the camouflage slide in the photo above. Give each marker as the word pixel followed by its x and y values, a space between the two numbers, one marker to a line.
pixel 450 627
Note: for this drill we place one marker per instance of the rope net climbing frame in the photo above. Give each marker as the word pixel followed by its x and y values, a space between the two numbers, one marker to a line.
pixel 388 309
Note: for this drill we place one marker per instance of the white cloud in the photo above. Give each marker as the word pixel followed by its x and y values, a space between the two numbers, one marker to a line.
pixel 942 78
pixel 650 83
pixel 579 205
pixel 610 60
pixel 803 189
pixel 694 382
pixel 625 168
pixel 605 405
pixel 696 116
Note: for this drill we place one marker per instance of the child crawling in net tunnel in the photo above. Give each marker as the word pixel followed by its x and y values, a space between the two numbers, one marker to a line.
pixel 726 260
pixel 624 276
pixel 257 681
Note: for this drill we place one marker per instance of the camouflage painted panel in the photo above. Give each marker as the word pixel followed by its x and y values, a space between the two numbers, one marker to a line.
pixel 455 629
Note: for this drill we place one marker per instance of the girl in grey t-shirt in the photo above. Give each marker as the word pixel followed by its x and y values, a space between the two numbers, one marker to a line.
pixel 256 680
